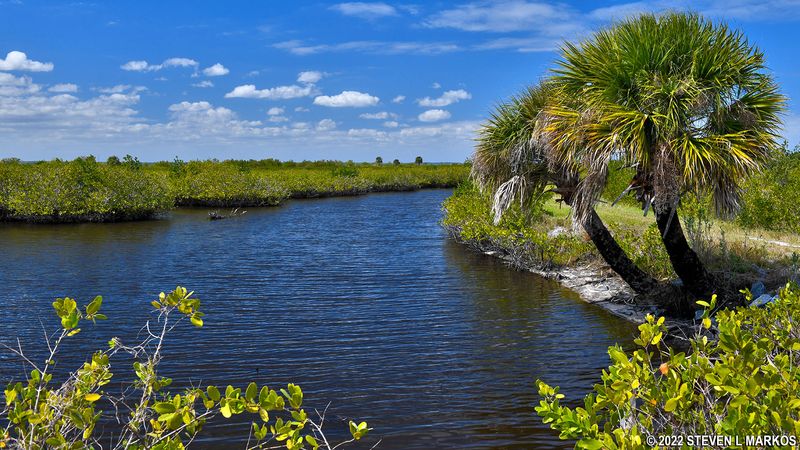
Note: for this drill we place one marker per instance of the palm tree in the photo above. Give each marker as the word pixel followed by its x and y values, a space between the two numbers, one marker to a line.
pixel 513 159
pixel 686 102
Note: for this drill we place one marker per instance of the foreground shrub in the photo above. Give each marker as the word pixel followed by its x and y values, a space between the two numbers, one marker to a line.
pixel 741 378
pixel 41 414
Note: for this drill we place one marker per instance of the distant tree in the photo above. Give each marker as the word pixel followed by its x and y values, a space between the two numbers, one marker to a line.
pixel 113 161
pixel 378 160
pixel 132 162
pixel 418 160
pixel 396 162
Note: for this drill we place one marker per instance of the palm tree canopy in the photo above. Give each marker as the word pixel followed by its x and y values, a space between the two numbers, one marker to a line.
pixel 508 159
pixel 688 102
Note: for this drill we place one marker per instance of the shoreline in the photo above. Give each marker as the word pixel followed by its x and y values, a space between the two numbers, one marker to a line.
pixel 592 281
pixel 119 217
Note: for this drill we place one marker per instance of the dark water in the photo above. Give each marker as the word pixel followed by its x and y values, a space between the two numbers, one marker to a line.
pixel 362 301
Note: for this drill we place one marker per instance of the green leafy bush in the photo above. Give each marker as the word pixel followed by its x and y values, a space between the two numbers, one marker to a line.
pixel 81 190
pixel 770 199
pixel 740 379
pixel 468 218
pixel 41 414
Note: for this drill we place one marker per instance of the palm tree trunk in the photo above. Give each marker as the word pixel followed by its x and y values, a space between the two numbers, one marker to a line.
pixel 615 257
pixel 687 265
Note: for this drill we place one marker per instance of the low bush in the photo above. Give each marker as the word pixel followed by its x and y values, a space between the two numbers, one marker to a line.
pixel 81 190
pixel 741 378
pixel 40 413
pixel 468 218
pixel 223 185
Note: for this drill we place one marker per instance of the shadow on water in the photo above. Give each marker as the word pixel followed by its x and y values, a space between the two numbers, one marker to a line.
pixel 362 301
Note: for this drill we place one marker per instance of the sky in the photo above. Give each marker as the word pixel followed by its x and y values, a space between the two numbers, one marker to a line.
pixel 304 80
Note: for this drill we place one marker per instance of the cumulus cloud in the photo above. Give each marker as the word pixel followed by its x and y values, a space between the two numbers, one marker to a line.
pixel 203 84
pixel 383 115
pixel 144 66
pixel 434 115
pixel 326 125
pixel 447 98
pixel 16 60
pixel 391 124
pixel 217 70
pixel 351 99
pixel 309 77
pixel 365 10
pixel 399 99
pixel 15 86
pixel 276 93
pixel 276 115
pixel 64 88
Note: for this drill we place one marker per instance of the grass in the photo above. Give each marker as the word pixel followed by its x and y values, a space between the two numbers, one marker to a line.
pixel 740 253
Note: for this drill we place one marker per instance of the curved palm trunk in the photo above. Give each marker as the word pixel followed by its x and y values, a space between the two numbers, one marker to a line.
pixel 687 265
pixel 615 257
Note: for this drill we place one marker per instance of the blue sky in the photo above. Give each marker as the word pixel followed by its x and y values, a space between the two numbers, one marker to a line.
pixel 302 80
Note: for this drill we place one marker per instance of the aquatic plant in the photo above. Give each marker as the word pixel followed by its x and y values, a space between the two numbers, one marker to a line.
pixel 39 413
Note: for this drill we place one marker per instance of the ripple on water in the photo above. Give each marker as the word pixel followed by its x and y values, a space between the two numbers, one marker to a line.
pixel 362 301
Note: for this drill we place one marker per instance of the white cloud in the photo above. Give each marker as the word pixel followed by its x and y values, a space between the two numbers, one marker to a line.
pixel 447 98
pixel 373 47
pixel 383 115
pixel 309 77
pixel 301 109
pixel 12 86
pixel 277 119
pixel 275 111
pixel 144 66
pixel 352 99
pixel 63 88
pixel 501 16
pixel 365 10
pixel 326 125
pixel 19 61
pixel 377 135
pixel 434 115
pixel 276 93
pixel 121 88
pixel 399 99
pixel 203 84
pixel 391 124
pixel 217 70
pixel 436 85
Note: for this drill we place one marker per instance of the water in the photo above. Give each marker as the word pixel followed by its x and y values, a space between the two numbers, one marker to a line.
pixel 362 301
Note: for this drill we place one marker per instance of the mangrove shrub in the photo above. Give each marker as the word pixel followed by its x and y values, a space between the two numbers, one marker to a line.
pixel 741 378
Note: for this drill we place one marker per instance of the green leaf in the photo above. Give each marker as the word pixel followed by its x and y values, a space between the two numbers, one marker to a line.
pixel 590 444
pixel 164 407
pixel 225 409
pixel 94 306
pixel 671 405
pixel 213 393
pixel 251 392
